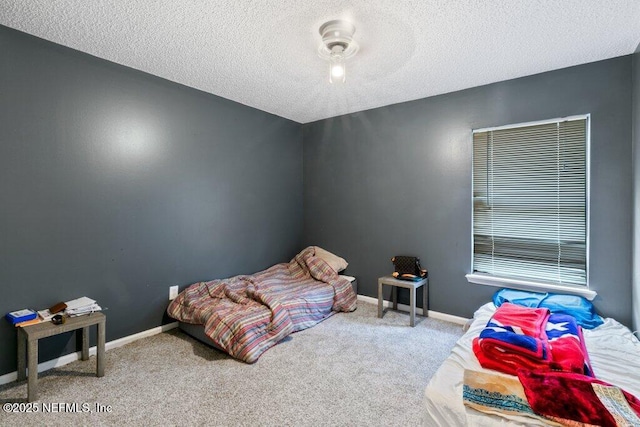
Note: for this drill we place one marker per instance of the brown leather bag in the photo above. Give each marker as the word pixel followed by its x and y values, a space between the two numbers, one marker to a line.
pixel 408 268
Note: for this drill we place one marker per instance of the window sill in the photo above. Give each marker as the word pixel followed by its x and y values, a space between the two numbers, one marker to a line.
pixel 525 285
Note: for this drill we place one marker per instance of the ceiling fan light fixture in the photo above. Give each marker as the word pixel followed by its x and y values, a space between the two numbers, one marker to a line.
pixel 337 46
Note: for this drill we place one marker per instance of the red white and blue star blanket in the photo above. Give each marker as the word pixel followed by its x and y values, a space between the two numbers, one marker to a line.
pixel 519 337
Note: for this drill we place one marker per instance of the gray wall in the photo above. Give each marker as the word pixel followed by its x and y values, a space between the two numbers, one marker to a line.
pixel 116 184
pixel 397 180
pixel 636 190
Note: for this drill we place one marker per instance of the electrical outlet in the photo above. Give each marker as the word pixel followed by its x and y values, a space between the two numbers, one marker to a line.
pixel 173 292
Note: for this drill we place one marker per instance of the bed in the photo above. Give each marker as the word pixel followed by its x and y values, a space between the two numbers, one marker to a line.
pixel 614 353
pixel 197 331
pixel 246 315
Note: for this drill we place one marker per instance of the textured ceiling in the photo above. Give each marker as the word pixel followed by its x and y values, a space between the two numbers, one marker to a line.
pixel 263 53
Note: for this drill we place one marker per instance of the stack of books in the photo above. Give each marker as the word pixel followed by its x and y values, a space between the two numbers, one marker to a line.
pixel 23 317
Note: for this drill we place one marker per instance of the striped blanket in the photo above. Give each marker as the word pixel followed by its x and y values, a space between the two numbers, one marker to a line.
pixel 247 315
pixel 498 394
pixel 555 398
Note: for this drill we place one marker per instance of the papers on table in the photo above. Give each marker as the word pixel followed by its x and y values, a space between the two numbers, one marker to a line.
pixel 79 302
pixel 80 306
pixel 83 310
pixel 75 307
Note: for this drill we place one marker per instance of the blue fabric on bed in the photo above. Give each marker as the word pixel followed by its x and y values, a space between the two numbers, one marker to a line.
pixel 581 309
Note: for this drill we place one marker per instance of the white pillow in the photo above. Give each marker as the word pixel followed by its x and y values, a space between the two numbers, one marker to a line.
pixel 334 261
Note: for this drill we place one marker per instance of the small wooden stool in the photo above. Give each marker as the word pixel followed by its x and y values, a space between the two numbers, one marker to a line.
pixel 30 335
pixel 412 286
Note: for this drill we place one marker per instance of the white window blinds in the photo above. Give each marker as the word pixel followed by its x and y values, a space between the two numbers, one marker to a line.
pixel 529 202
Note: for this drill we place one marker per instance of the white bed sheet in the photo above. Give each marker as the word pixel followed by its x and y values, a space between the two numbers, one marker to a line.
pixel 613 350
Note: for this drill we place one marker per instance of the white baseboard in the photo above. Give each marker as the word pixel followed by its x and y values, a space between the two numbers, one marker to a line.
pixel 435 314
pixel 72 357
pixel 135 337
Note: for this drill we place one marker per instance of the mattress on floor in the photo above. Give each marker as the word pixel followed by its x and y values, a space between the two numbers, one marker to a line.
pixel 197 331
pixel 613 350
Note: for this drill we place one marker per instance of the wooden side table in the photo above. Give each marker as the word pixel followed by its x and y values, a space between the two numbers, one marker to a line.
pixel 412 286
pixel 29 336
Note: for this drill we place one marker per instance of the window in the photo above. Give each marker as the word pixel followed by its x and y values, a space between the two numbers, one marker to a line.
pixel 530 203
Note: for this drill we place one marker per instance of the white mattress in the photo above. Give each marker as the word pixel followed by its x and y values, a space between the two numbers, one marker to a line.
pixel 613 350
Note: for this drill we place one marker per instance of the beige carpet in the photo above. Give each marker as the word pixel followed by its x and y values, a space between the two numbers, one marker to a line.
pixel 352 369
